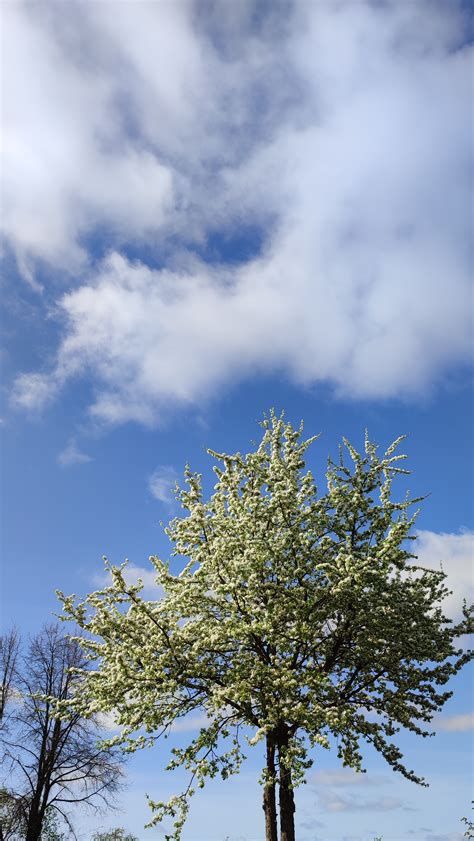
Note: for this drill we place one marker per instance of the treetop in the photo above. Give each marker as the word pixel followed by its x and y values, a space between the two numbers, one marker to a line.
pixel 296 617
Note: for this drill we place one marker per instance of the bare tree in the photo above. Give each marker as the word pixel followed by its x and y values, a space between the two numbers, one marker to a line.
pixel 12 817
pixel 54 764
pixel 9 648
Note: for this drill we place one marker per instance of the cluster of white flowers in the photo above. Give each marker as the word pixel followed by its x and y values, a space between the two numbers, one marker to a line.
pixel 295 614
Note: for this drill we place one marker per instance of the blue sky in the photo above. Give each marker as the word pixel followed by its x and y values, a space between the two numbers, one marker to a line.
pixel 210 209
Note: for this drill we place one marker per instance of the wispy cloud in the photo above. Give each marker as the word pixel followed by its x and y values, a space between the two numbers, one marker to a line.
pixel 311 824
pixel 347 777
pixel 72 455
pixel 460 723
pixel 328 785
pixel 161 484
pixel 34 391
pixel 340 132
pixel 445 836
pixel 333 801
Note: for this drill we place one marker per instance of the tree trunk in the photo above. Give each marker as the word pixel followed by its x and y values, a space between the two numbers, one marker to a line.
pixel 287 800
pixel 269 797
pixel 287 808
pixel 33 832
pixel 34 821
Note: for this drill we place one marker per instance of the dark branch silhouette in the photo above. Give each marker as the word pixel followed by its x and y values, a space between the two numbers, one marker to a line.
pixel 9 649
pixel 52 764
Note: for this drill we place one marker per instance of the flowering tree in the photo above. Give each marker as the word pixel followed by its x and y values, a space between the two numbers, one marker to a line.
pixel 296 615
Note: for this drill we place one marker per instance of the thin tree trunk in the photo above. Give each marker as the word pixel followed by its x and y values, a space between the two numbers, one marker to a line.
pixel 269 796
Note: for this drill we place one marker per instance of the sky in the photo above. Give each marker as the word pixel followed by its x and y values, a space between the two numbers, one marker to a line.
pixel 212 208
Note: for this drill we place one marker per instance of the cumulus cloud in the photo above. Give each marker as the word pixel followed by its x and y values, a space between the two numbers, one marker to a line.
pixel 335 136
pixel 454 553
pixel 72 455
pixel 69 163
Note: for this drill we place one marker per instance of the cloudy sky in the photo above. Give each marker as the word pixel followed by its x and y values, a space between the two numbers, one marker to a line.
pixel 210 208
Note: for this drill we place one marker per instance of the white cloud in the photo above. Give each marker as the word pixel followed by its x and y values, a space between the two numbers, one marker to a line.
pixel 339 132
pixel 461 723
pixel 72 455
pixel 132 574
pixel 68 163
pixel 108 722
pixel 34 391
pixel 161 484
pixel 187 724
pixel 190 723
pixel 455 554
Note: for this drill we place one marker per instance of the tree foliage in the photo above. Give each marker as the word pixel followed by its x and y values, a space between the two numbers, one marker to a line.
pixel 469 831
pixel 14 820
pixel 295 615
pixel 12 817
pixel 117 834
pixel 51 829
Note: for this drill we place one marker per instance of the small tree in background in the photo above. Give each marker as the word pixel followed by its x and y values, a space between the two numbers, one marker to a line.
pixel 299 616
pixel 14 820
pixel 52 765
pixel 51 829
pixel 117 834
pixel 9 650
pixel 469 831
pixel 12 817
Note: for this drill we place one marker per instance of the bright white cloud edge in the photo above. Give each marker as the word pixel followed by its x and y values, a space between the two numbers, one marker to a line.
pixel 357 184
pixel 454 553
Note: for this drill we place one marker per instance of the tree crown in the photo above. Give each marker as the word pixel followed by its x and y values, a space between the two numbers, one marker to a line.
pixel 298 615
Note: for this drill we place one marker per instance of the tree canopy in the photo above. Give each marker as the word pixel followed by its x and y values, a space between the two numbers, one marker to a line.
pixel 295 617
